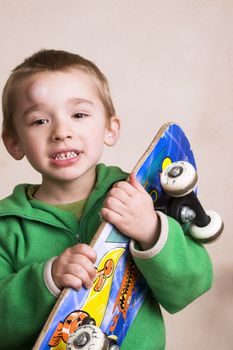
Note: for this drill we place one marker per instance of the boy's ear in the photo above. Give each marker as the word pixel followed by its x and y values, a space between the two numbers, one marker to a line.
pixel 12 145
pixel 112 131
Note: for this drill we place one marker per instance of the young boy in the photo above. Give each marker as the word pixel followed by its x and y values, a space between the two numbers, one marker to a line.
pixel 57 111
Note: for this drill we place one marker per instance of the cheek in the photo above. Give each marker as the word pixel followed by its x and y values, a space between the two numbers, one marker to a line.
pixel 95 134
pixel 32 147
pixel 95 143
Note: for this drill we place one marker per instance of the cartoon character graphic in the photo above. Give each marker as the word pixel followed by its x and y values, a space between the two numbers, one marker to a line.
pixel 103 274
pixel 74 320
pixel 124 296
pixel 94 306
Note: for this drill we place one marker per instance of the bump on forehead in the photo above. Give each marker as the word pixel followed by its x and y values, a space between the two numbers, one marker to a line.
pixel 37 87
pixel 36 90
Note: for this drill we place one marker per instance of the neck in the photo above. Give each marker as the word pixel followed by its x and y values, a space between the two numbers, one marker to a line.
pixel 57 192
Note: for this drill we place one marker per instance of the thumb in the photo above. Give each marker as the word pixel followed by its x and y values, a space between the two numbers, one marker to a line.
pixel 135 183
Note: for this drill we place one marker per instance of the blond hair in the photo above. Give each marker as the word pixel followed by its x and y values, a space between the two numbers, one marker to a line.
pixel 51 60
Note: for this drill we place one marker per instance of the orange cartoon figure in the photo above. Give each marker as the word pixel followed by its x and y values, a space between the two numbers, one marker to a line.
pixel 72 322
pixel 124 295
pixel 103 274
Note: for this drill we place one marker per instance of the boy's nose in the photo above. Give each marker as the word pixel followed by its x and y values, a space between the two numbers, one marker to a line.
pixel 61 134
pixel 62 137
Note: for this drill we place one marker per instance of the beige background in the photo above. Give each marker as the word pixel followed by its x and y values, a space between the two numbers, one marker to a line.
pixel 165 60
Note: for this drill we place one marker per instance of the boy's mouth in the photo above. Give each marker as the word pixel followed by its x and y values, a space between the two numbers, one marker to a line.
pixel 65 155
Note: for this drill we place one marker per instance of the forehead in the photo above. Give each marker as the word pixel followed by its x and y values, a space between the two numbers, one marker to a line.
pixel 60 84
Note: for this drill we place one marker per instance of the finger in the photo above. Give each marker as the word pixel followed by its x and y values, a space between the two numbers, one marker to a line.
pixel 135 183
pixel 126 187
pixel 119 194
pixel 85 250
pixel 83 261
pixel 111 216
pixel 70 281
pixel 79 272
pixel 114 204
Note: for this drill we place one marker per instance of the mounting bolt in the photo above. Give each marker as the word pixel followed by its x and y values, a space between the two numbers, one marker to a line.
pixel 175 171
pixel 187 215
pixel 81 340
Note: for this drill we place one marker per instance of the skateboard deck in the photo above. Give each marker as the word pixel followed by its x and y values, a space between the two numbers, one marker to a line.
pixel 119 289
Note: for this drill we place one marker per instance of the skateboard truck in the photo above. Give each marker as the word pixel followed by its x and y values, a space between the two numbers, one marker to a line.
pixel 90 337
pixel 180 201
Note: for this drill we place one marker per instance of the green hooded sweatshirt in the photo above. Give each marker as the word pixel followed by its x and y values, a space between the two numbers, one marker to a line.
pixel 177 269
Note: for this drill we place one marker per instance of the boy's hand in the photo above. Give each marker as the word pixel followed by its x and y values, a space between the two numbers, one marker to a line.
pixel 74 267
pixel 130 208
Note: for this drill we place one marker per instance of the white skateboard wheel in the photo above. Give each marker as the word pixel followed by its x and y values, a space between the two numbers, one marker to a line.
pixel 179 179
pixel 87 337
pixel 211 231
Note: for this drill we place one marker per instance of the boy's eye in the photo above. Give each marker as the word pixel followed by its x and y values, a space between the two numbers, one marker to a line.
pixel 40 122
pixel 80 115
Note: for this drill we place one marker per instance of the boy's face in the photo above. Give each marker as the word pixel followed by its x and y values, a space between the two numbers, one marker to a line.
pixel 61 125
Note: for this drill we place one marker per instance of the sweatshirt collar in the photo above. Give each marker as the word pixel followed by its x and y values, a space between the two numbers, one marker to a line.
pixel 17 203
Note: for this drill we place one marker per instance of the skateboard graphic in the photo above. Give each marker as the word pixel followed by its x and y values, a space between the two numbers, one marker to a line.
pixel 100 317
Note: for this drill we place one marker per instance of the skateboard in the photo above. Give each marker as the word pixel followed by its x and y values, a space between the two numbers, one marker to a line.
pixel 100 317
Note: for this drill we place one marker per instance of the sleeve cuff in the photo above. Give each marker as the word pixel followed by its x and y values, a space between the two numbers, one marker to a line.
pixel 146 254
pixel 49 279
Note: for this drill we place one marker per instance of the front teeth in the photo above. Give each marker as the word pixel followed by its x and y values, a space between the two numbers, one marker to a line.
pixel 63 156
